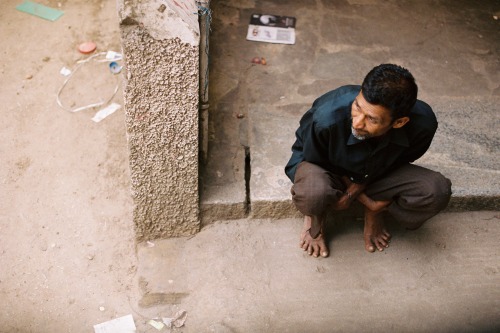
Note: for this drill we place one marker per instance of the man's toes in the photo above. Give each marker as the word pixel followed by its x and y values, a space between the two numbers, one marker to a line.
pixel 309 249
pixel 382 242
pixel 369 246
pixel 323 250
pixel 315 251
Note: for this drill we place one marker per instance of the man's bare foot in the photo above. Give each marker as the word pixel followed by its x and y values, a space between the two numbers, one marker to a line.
pixel 311 237
pixel 375 234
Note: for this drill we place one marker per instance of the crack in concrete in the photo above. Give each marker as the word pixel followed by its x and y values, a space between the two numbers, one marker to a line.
pixel 248 173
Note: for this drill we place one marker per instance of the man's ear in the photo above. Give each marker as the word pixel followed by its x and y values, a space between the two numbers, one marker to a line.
pixel 400 122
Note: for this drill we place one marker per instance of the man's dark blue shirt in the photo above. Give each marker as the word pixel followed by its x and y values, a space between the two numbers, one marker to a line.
pixel 325 139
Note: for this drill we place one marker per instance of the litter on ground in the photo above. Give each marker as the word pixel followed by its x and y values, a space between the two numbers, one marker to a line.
pixel 123 324
pixel 39 10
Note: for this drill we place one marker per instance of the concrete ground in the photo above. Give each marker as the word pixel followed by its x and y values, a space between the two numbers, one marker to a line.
pixel 67 255
pixel 250 276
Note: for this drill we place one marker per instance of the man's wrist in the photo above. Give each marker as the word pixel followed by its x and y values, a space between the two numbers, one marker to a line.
pixel 354 190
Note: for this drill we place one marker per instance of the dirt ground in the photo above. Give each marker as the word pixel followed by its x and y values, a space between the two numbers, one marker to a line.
pixel 67 255
pixel 68 259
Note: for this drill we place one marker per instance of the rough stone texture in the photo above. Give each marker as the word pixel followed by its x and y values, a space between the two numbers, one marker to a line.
pixel 163 19
pixel 276 209
pixel 161 102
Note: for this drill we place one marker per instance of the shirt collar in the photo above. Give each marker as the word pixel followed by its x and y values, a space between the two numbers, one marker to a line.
pixel 352 140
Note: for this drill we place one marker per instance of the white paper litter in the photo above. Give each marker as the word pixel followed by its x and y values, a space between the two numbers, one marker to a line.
pixel 103 113
pixel 271 29
pixel 113 56
pixel 65 71
pixel 123 324
pixel 168 321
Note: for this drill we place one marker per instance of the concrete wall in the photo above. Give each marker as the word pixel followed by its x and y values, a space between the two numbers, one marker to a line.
pixel 161 48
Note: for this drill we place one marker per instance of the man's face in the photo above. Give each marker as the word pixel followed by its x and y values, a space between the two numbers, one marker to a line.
pixel 370 120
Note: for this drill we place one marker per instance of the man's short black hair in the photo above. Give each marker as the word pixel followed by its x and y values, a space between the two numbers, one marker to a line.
pixel 392 87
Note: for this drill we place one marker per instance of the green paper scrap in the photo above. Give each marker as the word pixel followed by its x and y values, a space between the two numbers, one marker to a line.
pixel 42 11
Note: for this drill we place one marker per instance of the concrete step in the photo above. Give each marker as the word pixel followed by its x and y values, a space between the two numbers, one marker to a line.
pixel 465 149
pixel 255 109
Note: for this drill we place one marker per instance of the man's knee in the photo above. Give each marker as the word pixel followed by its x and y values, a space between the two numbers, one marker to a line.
pixel 430 197
pixel 312 198
pixel 431 191
pixel 314 189
pixel 440 191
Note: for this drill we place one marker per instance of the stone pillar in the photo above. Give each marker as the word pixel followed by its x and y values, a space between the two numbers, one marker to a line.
pixel 160 41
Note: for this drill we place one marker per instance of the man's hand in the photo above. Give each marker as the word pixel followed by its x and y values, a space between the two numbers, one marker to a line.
pixel 343 203
pixel 353 190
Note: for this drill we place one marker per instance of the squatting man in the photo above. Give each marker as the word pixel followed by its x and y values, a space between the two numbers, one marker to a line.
pixel 358 143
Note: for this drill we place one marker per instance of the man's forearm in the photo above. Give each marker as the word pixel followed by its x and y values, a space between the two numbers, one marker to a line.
pixel 369 203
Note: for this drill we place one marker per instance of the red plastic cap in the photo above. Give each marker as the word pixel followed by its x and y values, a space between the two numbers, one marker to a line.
pixel 87 47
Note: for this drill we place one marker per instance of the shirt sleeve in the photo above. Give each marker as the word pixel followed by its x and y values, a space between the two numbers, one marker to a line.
pixel 424 125
pixel 316 145
pixel 298 146
pixel 311 144
pixel 420 145
pixel 317 130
